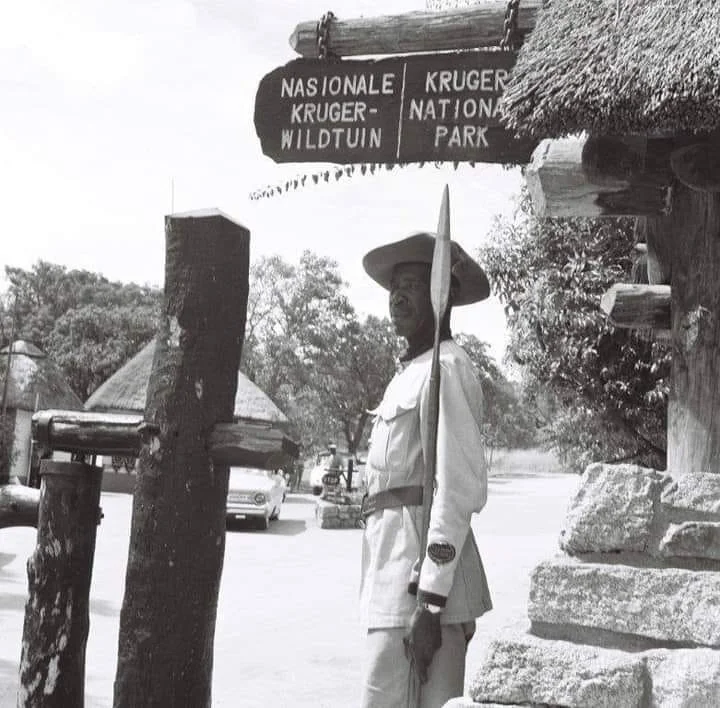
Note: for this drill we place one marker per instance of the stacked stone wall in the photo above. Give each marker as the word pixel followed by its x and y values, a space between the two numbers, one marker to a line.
pixel 333 515
pixel 627 615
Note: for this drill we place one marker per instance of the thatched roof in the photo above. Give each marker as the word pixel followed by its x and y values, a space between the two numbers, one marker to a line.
pixel 654 68
pixel 126 391
pixel 35 382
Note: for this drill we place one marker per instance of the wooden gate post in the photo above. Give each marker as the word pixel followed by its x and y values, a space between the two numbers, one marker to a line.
pixel 52 663
pixel 177 539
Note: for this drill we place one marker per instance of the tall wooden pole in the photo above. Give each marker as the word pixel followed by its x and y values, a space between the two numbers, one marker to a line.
pixel 690 235
pixel 177 543
pixel 57 619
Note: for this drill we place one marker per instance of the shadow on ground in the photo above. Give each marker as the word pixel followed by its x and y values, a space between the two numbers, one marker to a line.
pixel 288 527
pixel 6 558
pixel 104 608
pixel 8 677
pixel 13 601
pixel 290 499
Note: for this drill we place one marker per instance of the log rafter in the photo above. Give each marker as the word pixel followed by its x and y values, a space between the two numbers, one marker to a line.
pixel 447 30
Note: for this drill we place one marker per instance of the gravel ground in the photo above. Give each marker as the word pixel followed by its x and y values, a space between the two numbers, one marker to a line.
pixel 287 632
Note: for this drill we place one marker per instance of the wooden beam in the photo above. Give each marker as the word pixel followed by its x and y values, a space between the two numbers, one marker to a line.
pixel 698 166
pixel 90 433
pixel 120 434
pixel 254 446
pixel 601 176
pixel 628 305
pixel 18 505
pixel 461 28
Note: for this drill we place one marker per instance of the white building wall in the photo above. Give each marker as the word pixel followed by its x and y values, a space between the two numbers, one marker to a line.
pixel 21 445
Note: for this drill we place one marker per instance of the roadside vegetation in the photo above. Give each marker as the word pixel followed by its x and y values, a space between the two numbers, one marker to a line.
pixel 600 393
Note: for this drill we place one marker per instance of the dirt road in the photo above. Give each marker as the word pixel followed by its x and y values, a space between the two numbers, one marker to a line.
pixel 287 632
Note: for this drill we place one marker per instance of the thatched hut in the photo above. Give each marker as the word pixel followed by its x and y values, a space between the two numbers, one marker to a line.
pixel 641 79
pixel 648 67
pixel 639 82
pixel 32 383
pixel 126 391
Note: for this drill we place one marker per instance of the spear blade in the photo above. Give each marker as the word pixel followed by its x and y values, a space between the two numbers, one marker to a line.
pixel 440 273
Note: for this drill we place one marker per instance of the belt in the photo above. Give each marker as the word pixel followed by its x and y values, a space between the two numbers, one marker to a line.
pixel 391 498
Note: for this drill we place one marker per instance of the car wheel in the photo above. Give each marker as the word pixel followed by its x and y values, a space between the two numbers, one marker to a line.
pixel 263 523
pixel 317 491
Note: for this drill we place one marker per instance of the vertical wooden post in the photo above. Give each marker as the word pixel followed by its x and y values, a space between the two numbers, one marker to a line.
pixel 690 235
pixel 177 542
pixel 52 663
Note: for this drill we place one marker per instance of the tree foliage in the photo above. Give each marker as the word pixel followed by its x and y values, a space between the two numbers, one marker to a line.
pixel 510 421
pixel 603 391
pixel 307 348
pixel 89 325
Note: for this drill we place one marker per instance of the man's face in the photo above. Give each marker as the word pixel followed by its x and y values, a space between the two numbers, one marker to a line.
pixel 410 306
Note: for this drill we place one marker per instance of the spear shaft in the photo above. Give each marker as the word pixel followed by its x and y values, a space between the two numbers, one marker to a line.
pixel 439 296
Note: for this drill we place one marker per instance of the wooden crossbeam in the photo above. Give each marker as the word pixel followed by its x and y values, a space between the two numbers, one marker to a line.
pixel 601 176
pixel 633 306
pixel 120 434
pixel 456 29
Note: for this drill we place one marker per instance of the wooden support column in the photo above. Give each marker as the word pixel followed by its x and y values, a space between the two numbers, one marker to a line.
pixel 690 234
pixel 601 176
pixel 177 543
pixel 52 662
pixel 461 28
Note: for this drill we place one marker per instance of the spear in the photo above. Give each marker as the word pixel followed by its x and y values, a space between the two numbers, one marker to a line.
pixel 439 296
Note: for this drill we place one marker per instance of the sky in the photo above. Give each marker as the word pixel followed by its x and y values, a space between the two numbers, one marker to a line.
pixel 115 113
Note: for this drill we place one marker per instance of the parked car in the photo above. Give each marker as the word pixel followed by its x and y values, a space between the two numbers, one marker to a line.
pixel 255 494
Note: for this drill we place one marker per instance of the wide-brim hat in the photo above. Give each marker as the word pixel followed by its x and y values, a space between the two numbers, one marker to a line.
pixel 472 283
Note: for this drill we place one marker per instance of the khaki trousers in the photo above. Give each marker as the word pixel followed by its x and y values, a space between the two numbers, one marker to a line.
pixel 389 682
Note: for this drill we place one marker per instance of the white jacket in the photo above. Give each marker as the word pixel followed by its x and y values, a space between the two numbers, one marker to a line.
pixel 452 575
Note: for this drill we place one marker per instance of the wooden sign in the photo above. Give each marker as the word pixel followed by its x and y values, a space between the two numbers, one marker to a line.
pixel 420 108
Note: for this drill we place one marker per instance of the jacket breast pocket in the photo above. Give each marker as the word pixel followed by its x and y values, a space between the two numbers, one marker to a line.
pixel 394 435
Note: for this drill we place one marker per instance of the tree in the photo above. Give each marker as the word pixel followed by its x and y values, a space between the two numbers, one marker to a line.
pixel 353 371
pixel 510 421
pixel 603 390
pixel 87 324
pixel 307 349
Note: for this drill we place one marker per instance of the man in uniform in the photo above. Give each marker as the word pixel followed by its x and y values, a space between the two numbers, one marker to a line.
pixel 420 619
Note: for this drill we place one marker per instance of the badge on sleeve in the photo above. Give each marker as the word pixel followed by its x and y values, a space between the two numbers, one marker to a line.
pixel 441 553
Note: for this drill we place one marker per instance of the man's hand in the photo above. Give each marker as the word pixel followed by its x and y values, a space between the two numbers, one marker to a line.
pixel 422 640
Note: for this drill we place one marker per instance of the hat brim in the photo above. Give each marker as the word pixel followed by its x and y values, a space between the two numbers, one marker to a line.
pixel 473 285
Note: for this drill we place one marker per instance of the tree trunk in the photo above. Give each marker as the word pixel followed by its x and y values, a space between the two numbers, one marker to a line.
pixel 177 542
pixel 52 663
pixel 691 234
